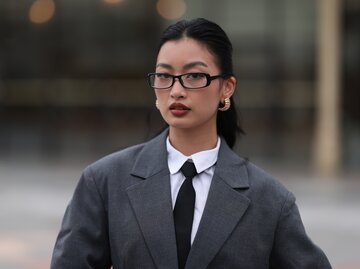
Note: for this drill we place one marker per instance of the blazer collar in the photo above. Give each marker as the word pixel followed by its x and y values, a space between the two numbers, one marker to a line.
pixel 231 168
pixel 153 158
pixel 225 206
pixel 151 202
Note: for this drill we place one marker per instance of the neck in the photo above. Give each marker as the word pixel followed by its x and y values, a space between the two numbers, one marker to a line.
pixel 190 142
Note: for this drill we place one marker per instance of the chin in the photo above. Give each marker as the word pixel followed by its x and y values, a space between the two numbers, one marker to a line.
pixel 177 125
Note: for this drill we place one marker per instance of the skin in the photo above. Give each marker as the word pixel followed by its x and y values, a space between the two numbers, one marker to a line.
pixel 196 130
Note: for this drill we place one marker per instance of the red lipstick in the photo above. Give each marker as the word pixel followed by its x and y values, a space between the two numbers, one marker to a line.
pixel 179 109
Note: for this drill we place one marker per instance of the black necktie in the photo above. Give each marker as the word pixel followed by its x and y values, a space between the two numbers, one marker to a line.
pixel 184 213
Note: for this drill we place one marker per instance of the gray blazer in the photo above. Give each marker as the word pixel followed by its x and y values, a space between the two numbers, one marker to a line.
pixel 121 216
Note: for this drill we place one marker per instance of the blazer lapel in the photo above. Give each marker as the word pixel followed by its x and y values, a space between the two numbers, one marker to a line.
pixel 151 202
pixel 224 208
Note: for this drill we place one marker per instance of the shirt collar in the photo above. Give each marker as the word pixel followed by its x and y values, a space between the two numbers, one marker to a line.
pixel 202 160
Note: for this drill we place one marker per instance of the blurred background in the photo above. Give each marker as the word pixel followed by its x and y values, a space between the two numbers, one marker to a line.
pixel 73 89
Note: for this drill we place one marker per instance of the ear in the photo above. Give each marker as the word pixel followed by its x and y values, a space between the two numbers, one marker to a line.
pixel 228 87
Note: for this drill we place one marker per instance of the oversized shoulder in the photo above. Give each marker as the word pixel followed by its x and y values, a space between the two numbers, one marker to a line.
pixel 266 188
pixel 119 160
pixel 112 171
pixel 248 178
pixel 131 164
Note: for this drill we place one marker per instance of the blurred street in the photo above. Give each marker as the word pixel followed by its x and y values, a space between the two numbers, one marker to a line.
pixel 73 88
pixel 34 195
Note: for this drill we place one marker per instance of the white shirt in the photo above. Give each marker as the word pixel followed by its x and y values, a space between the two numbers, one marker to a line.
pixel 204 163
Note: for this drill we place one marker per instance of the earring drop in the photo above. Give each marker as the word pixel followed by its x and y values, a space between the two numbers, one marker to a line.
pixel 157 104
pixel 226 106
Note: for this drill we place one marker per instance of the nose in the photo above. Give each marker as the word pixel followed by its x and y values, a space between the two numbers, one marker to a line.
pixel 177 90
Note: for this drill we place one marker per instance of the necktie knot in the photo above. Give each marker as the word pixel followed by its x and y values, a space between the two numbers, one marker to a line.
pixel 188 169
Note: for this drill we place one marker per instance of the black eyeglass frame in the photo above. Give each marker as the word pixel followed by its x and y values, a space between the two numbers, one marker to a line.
pixel 209 79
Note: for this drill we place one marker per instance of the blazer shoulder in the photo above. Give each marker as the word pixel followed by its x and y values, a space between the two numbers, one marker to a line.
pixel 128 153
pixel 125 159
pixel 267 186
pixel 115 163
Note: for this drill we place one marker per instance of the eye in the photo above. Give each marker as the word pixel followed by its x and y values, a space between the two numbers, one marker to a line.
pixel 195 76
pixel 163 76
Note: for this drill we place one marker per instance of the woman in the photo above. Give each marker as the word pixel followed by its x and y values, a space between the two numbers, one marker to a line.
pixel 185 199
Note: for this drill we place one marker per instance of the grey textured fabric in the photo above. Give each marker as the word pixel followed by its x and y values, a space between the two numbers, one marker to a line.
pixel 121 216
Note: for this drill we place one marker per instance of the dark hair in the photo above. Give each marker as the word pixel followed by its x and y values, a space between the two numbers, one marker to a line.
pixel 215 39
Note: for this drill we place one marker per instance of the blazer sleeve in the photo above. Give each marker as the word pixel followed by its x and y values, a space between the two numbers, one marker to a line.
pixel 83 241
pixel 292 247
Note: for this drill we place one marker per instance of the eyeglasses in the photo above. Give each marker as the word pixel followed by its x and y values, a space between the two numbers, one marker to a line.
pixel 164 81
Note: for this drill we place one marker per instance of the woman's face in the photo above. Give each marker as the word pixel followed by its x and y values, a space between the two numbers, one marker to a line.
pixel 189 108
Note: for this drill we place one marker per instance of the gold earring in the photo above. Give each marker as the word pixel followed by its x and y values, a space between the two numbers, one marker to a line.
pixel 157 104
pixel 226 105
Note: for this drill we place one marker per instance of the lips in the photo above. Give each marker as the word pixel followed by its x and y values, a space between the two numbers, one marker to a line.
pixel 178 106
pixel 179 109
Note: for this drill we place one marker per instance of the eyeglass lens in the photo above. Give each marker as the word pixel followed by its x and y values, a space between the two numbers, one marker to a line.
pixel 190 80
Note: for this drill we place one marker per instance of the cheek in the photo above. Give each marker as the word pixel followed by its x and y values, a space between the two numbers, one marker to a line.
pixel 208 104
pixel 212 99
pixel 161 97
pixel 162 103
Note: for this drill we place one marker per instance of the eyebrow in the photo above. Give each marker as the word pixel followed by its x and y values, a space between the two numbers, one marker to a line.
pixel 167 66
pixel 193 64
pixel 186 66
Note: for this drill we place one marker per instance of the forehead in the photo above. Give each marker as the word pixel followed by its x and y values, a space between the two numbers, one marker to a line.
pixel 185 50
